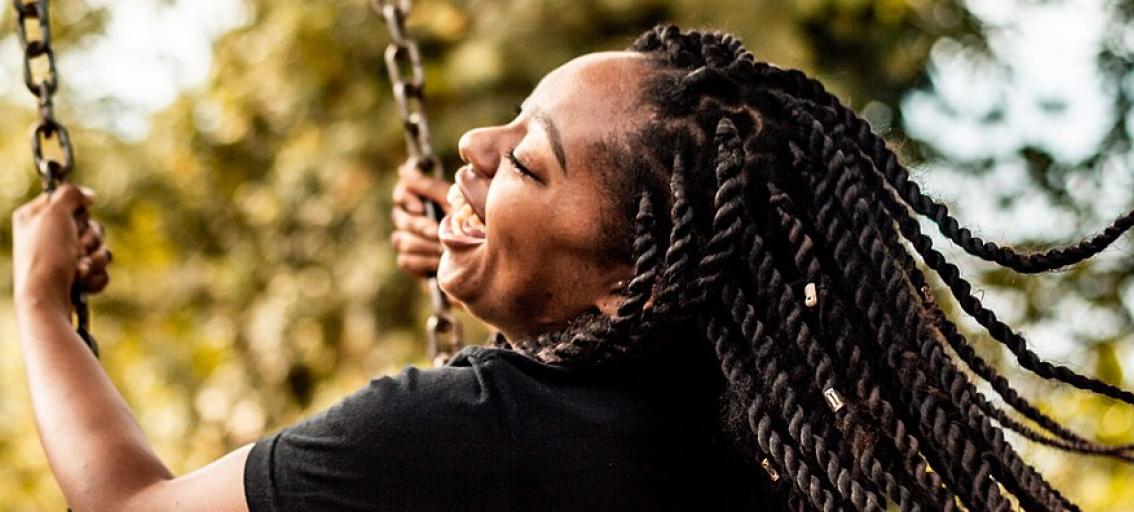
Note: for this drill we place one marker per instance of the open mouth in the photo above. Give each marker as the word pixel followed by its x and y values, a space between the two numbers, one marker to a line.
pixel 461 227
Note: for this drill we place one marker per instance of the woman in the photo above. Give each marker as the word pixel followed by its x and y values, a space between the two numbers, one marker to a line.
pixel 694 260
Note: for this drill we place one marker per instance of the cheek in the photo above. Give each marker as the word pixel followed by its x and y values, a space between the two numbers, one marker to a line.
pixel 542 239
pixel 518 222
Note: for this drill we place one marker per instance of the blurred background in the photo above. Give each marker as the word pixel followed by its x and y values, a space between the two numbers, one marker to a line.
pixel 243 153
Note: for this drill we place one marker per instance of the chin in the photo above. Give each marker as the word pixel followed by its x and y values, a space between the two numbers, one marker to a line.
pixel 465 286
pixel 456 281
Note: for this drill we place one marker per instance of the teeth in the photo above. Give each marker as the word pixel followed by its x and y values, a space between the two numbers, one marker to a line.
pixel 461 215
pixel 455 197
pixel 462 212
pixel 475 222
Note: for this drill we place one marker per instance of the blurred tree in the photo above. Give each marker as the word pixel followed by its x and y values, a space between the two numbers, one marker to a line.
pixel 253 282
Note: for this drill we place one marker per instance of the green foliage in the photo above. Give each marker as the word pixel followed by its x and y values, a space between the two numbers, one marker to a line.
pixel 253 281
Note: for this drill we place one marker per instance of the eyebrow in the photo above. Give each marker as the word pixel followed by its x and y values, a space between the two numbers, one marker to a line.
pixel 553 135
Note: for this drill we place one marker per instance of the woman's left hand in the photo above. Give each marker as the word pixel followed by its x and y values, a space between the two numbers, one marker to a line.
pixel 55 245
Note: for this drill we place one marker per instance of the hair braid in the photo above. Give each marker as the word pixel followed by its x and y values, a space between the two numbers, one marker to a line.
pixel 774 183
pixel 846 191
pixel 727 223
pixel 910 192
pixel 962 391
pixel 682 248
pixel 735 369
pixel 827 380
pixel 969 356
pixel 805 258
pixel 831 309
pixel 805 87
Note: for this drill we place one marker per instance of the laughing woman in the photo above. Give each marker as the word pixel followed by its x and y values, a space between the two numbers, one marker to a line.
pixel 700 268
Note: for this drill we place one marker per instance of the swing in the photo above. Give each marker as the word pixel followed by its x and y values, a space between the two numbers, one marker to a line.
pixel 403 64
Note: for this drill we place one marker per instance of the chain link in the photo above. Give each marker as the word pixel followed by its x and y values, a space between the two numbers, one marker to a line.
pixel 33 29
pixel 407 76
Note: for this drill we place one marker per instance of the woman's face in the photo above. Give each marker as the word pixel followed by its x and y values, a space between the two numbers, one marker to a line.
pixel 540 257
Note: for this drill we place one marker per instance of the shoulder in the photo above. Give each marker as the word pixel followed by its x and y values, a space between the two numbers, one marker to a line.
pixel 385 442
pixel 420 400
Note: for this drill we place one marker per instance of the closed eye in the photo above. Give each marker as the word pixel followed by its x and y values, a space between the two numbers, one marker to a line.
pixel 519 166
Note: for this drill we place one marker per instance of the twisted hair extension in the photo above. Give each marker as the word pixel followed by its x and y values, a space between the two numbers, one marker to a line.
pixel 727 220
pixel 900 491
pixel 682 248
pixel 729 206
pixel 897 177
pixel 802 86
pixel 773 184
pixel 788 308
pixel 851 354
pixel 735 364
pixel 1065 439
pixel 705 81
pixel 836 462
pixel 1000 384
pixel 645 267
pixel 960 388
pixel 840 198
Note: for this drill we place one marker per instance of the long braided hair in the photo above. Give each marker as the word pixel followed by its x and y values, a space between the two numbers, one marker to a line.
pixel 770 218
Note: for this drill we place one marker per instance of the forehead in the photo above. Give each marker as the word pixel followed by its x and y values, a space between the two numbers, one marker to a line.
pixel 593 94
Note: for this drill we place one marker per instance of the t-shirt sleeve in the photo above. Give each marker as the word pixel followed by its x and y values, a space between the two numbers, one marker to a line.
pixel 412 441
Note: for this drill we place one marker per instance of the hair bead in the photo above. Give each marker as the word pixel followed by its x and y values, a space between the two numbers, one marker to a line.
pixel 772 473
pixel 834 401
pixel 810 295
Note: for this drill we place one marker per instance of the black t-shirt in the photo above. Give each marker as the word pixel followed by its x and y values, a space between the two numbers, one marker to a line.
pixel 496 430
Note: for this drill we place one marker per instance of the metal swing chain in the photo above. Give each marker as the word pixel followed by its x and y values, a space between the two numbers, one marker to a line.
pixel 407 76
pixel 33 28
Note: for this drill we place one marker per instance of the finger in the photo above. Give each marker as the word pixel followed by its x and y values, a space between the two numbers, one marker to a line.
pixel 88 195
pixel 425 186
pixel 418 265
pixel 408 200
pixel 83 268
pixel 99 259
pixel 406 242
pixel 418 224
pixel 94 282
pixel 90 234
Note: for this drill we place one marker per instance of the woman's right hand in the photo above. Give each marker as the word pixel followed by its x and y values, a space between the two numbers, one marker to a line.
pixel 56 244
pixel 415 233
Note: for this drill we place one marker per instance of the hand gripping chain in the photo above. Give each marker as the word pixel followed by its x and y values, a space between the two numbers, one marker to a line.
pixel 33 28
pixel 403 64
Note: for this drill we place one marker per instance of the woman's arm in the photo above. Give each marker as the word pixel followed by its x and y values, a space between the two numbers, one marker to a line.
pixel 96 449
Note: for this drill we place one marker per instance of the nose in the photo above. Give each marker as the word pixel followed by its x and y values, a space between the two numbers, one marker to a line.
pixel 478 147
